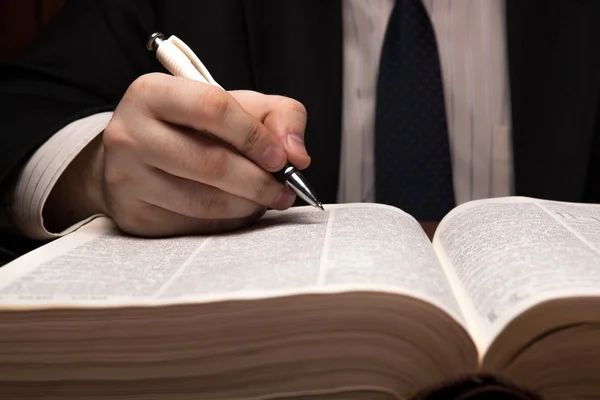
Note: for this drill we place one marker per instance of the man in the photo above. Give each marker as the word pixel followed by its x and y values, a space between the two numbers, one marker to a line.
pixel 521 87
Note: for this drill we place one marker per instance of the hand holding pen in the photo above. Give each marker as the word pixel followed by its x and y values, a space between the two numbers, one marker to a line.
pixel 182 157
pixel 181 61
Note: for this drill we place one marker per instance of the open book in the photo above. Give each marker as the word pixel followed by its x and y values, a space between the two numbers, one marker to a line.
pixel 354 302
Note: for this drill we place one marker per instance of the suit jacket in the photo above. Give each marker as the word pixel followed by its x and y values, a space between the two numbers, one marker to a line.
pixel 93 49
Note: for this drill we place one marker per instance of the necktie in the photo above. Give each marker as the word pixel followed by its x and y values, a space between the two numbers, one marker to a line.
pixel 412 157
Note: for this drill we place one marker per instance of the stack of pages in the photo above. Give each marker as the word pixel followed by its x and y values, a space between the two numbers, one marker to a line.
pixel 351 303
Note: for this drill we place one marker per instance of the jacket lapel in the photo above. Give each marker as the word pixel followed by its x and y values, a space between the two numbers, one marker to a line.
pixel 296 51
pixel 553 66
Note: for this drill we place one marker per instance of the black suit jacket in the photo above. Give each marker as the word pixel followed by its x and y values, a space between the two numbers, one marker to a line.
pixel 85 60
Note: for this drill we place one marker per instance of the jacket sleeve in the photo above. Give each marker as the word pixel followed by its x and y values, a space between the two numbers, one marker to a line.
pixel 80 64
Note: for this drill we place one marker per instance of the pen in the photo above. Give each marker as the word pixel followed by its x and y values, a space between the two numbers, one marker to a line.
pixel 181 61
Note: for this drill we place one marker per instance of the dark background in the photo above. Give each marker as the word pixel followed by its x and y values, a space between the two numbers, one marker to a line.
pixel 21 20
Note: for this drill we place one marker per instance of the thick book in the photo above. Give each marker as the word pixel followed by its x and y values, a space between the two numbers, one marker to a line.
pixel 351 303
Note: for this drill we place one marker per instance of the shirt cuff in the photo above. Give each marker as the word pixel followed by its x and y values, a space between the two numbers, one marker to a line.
pixel 42 170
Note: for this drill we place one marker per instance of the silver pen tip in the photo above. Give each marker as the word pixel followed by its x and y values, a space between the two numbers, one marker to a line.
pixel 320 206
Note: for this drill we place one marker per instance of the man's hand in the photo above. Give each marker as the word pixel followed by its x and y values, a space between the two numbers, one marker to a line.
pixel 181 157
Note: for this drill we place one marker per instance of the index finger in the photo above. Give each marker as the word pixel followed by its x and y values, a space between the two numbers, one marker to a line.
pixel 205 107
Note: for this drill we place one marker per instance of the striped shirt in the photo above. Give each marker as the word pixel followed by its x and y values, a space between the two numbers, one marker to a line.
pixel 472 47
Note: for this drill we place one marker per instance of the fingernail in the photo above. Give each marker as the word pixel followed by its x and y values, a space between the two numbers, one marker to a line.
pixel 285 200
pixel 274 156
pixel 296 143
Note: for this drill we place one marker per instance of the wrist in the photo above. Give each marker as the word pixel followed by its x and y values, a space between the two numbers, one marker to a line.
pixel 78 192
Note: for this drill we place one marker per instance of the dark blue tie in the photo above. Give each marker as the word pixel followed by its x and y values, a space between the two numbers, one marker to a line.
pixel 413 170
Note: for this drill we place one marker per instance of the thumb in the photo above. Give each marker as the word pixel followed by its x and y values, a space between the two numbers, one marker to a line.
pixel 283 116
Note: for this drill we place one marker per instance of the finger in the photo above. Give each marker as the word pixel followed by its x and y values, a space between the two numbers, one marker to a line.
pixel 194 199
pixel 193 156
pixel 284 116
pixel 141 218
pixel 205 107
pixel 148 220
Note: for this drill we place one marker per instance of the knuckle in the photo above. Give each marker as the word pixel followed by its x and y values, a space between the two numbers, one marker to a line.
pixel 295 106
pixel 115 135
pixel 252 137
pixel 264 190
pixel 213 203
pixel 142 84
pixel 215 164
pixel 214 103
pixel 139 90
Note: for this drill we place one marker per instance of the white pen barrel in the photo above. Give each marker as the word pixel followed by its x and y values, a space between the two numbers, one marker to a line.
pixel 177 62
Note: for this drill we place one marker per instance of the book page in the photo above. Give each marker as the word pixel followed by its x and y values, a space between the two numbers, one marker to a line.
pixel 301 250
pixel 506 255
